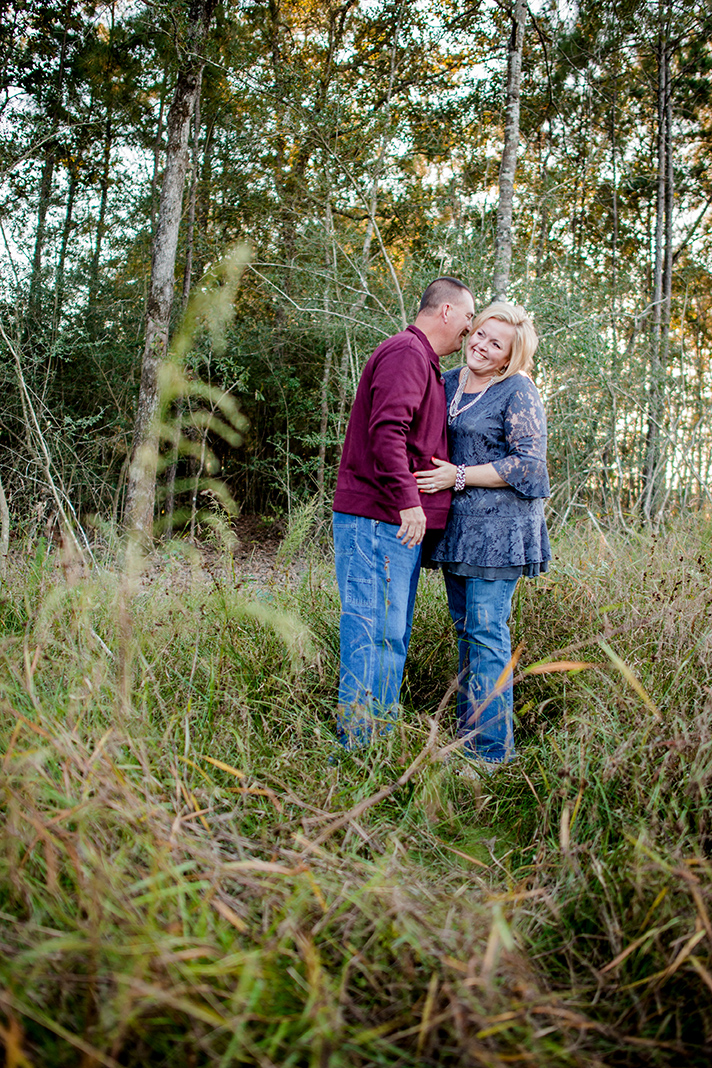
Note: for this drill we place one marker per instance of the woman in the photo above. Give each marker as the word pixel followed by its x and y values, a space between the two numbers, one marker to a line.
pixel 496 530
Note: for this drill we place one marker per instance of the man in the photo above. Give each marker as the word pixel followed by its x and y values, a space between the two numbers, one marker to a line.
pixel 397 424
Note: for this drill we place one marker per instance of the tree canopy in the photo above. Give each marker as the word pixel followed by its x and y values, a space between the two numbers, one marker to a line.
pixel 355 147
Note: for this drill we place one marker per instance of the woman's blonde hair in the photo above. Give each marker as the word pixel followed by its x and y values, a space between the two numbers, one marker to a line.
pixel 524 342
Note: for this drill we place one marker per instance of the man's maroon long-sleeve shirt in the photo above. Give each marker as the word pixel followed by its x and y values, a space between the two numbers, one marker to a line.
pixel 397 425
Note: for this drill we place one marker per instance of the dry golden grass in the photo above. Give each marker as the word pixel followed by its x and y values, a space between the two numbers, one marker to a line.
pixel 185 879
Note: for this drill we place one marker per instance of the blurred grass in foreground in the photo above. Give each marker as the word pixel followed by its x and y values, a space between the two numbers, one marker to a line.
pixel 179 883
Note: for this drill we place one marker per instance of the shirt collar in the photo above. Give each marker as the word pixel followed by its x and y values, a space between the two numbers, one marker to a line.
pixel 431 353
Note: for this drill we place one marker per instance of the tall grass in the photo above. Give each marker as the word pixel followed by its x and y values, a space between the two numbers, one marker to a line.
pixel 187 879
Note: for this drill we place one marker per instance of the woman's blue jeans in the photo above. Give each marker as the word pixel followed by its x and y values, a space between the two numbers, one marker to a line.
pixel 378 578
pixel 480 610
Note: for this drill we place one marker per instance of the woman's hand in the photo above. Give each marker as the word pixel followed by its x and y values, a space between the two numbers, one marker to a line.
pixel 442 478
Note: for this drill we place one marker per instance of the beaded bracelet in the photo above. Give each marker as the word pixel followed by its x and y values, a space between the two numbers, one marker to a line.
pixel 460 478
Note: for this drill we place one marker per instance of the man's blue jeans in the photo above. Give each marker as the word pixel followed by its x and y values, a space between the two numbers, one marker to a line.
pixel 480 610
pixel 378 578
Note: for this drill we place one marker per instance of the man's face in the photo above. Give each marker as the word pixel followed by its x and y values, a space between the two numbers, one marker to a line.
pixel 458 319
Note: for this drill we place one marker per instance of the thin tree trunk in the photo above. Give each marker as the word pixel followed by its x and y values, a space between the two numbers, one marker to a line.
pixel 187 279
pixel 173 469
pixel 652 468
pixel 669 202
pixel 616 493
pixel 543 211
pixel 200 467
pixel 330 258
pixel 59 280
pixel 141 491
pixel 34 300
pixel 346 363
pixel 356 307
pixel 323 429
pixel 92 318
pixel 92 315
pixel 503 238
pixel 190 227
pixel 661 490
pixel 614 233
pixel 157 151
pixel 201 215
pixel 4 529
pixel 61 266
pixel 202 200
pixel 583 160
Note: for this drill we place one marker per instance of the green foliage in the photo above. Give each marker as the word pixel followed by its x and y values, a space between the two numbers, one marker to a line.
pixel 356 148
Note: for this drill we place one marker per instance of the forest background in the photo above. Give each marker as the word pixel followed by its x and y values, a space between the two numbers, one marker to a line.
pixel 210 214
pixel 355 150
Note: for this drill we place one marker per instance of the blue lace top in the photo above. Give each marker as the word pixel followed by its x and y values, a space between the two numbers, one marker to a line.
pixel 498 533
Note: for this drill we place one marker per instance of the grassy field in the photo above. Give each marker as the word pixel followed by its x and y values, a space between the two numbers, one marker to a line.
pixel 190 876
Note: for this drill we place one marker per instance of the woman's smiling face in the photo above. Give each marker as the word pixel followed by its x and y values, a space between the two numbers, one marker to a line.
pixel 489 348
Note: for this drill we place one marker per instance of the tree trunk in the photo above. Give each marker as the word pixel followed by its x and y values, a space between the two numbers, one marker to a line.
pixel 61 265
pixel 202 207
pixel 187 279
pixel 4 529
pixel 669 202
pixel 653 475
pixel 34 301
pixel 141 491
pixel 193 196
pixel 157 151
pixel 615 492
pixel 330 262
pixel 503 238
pixel 356 307
pixel 614 231
pixel 346 363
pixel 92 315
pixel 544 206
pixel 323 430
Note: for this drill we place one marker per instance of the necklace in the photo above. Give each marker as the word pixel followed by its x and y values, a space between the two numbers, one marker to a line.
pixel 454 411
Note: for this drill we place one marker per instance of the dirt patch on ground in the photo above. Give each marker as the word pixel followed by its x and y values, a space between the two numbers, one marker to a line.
pixel 258 535
pixel 256 556
pixel 253 560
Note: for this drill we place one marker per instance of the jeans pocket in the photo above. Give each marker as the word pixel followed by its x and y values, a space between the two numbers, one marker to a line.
pixel 359 581
pixel 354 566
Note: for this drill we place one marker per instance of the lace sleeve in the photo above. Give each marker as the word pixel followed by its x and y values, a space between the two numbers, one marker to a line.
pixel 524 466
